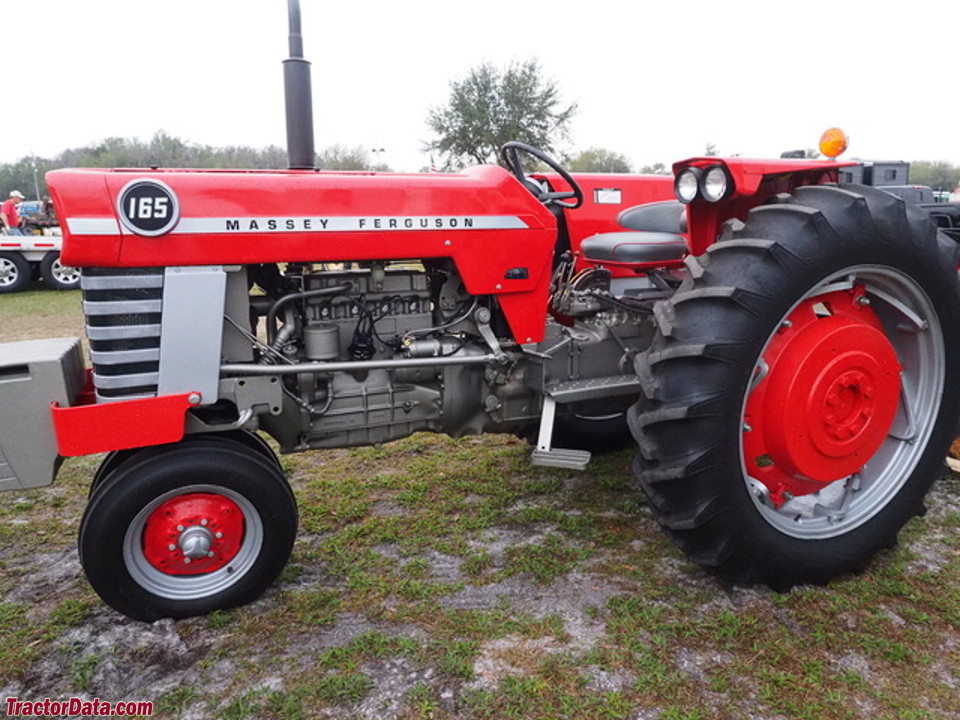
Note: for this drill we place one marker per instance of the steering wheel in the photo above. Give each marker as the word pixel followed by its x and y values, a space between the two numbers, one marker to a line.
pixel 510 158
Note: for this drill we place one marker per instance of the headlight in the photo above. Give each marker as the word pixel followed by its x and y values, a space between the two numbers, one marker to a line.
pixel 686 185
pixel 715 184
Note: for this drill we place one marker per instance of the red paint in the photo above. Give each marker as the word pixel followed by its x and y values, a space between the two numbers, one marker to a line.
pixel 828 400
pixel 595 217
pixel 209 513
pixel 101 427
pixel 756 182
pixel 482 256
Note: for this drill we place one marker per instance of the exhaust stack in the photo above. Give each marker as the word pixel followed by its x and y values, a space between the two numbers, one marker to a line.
pixel 298 98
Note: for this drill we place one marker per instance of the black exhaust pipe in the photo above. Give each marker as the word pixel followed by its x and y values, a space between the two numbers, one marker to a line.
pixel 298 98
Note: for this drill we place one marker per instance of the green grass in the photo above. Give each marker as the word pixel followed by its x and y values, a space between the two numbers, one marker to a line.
pixel 447 570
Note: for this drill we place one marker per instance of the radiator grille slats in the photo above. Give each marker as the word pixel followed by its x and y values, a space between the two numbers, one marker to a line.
pixel 123 309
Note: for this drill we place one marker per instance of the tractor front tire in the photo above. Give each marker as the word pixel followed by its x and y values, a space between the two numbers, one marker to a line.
pixel 185 529
pixel 802 389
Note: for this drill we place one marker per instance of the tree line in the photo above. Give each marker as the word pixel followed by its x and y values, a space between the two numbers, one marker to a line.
pixel 485 109
pixel 164 150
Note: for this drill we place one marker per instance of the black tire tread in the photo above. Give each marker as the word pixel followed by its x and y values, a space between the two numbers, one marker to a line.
pixel 103 523
pixel 692 374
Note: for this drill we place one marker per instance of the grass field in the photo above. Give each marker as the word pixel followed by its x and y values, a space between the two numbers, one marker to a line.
pixel 441 579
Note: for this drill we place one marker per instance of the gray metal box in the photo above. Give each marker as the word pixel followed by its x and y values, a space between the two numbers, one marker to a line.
pixel 888 172
pixel 852 174
pixel 34 374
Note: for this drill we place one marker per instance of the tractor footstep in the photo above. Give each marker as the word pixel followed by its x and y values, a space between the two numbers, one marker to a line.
pixel 561 458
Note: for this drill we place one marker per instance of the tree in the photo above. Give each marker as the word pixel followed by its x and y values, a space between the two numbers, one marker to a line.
pixel 340 157
pixel 490 107
pixel 938 175
pixel 655 169
pixel 163 150
pixel 599 160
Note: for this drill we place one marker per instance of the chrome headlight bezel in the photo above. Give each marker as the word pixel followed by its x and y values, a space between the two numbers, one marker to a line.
pixel 715 183
pixel 686 186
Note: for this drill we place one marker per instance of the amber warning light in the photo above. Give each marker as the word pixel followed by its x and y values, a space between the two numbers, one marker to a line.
pixel 833 142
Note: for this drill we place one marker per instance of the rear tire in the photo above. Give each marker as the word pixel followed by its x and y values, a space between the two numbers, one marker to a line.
pixel 14 272
pixel 779 440
pixel 186 529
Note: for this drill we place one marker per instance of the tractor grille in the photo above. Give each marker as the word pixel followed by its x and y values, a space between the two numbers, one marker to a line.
pixel 123 307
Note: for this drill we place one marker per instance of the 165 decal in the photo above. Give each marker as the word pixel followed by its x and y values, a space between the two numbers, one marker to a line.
pixel 148 207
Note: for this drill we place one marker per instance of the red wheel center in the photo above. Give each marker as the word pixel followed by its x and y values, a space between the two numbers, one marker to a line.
pixel 193 534
pixel 829 398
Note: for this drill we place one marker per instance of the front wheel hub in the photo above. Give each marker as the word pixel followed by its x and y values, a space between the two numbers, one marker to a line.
pixel 829 397
pixel 193 534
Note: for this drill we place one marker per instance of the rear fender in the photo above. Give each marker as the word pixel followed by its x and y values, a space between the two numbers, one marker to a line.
pixel 754 182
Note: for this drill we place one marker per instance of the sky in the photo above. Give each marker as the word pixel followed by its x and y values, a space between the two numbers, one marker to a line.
pixel 655 81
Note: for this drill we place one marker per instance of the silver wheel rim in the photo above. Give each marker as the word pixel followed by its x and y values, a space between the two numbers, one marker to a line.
pixel 64 274
pixel 192 587
pixel 8 272
pixel 913 328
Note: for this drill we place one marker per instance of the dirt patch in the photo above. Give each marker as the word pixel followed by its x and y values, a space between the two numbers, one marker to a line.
pixel 527 597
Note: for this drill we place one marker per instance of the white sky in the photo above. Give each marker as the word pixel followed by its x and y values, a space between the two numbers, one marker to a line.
pixel 656 81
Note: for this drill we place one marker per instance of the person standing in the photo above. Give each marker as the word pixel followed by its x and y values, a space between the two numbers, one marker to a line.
pixel 9 215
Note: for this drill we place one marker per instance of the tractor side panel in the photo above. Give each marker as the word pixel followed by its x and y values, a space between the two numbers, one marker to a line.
pixel 498 235
pixel 607 195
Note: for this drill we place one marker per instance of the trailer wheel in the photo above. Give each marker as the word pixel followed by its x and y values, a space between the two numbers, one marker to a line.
pixel 14 272
pixel 801 392
pixel 185 529
pixel 58 276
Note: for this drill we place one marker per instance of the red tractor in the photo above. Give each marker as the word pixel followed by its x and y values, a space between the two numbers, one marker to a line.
pixel 777 343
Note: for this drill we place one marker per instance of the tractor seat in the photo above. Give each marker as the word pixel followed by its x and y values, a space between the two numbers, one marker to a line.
pixel 667 216
pixel 644 249
pixel 652 238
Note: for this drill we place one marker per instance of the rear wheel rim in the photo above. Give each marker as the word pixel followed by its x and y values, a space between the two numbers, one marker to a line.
pixel 912 328
pixel 140 548
pixel 64 274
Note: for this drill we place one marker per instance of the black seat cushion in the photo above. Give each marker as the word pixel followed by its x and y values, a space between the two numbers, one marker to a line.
pixel 668 216
pixel 635 248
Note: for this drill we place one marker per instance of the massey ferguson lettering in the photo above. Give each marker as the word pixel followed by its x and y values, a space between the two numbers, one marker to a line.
pixel 359 223
pixel 350 224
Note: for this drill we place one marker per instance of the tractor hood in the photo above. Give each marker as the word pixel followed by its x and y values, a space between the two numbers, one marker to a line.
pixel 140 218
